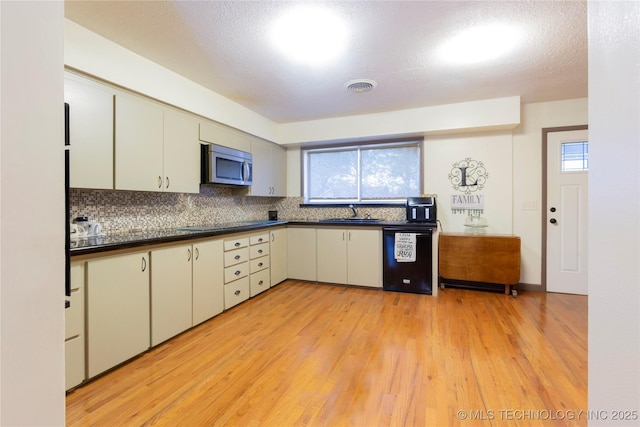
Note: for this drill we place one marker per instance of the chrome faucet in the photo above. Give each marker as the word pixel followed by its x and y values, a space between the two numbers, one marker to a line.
pixel 355 211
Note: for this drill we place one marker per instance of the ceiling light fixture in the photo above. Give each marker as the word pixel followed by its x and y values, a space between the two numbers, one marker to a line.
pixel 310 35
pixel 360 85
pixel 480 44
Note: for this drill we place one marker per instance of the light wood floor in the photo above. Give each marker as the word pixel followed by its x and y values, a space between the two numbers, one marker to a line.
pixel 305 354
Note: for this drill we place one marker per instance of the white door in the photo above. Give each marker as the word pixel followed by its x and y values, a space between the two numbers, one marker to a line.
pixel 567 156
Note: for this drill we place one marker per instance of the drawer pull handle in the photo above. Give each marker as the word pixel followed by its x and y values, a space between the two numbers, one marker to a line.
pixel 237 292
pixel 188 255
pixel 144 264
pixel 167 178
pixel 259 251
pixel 237 273
pixel 260 265
pixel 237 244
pixel 236 257
pixel 260 239
pixel 197 254
pixel 260 282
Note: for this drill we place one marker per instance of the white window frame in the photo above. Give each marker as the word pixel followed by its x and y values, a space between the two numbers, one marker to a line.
pixel 401 200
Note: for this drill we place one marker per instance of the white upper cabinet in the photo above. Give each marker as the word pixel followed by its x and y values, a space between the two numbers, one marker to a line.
pixel 90 132
pixel 181 153
pixel 214 133
pixel 157 148
pixel 139 144
pixel 269 169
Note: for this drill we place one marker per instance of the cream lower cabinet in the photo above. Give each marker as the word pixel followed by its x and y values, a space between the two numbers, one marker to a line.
pixel 74 329
pixel 208 280
pixel 278 254
pixel 364 257
pixel 350 256
pixel 117 311
pixel 236 270
pixel 171 292
pixel 260 277
pixel 301 253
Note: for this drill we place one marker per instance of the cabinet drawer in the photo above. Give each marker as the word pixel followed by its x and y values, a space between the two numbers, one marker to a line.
pixel 236 256
pixel 260 282
pixel 236 292
pixel 260 238
pixel 74 362
pixel 259 250
pixel 236 272
pixel 258 264
pixel 74 315
pixel 230 245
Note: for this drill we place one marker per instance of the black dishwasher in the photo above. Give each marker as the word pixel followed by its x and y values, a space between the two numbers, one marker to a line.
pixel 407 256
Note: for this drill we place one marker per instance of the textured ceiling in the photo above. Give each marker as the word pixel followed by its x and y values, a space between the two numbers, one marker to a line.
pixel 223 45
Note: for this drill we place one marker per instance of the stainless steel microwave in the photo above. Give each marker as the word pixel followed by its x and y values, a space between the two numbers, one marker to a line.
pixel 224 165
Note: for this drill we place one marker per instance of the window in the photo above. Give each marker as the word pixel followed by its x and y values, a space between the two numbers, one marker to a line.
pixel 575 156
pixel 373 173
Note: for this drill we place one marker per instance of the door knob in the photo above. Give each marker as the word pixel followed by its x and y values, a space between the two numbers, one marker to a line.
pixel 553 221
pixel 552 209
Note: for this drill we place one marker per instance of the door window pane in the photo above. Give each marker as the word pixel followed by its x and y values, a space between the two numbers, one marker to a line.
pixel 575 156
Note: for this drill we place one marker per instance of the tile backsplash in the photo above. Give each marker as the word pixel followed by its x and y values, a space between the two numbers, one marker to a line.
pixel 124 211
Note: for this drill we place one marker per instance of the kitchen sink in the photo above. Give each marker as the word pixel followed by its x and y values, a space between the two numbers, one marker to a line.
pixel 351 219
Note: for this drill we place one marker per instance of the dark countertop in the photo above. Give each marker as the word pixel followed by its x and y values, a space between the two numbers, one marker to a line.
pixel 128 240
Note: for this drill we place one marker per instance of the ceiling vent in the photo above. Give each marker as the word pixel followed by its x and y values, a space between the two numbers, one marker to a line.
pixel 360 85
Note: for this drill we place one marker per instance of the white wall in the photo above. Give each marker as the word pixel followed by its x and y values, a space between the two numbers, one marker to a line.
pixel 32 215
pixel 527 175
pixel 494 151
pixel 614 209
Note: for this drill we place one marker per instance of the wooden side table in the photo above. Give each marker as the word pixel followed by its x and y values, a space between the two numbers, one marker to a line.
pixel 484 258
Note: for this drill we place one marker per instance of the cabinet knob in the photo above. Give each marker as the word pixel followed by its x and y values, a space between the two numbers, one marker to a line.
pixel 237 273
pixel 260 239
pixel 260 265
pixel 237 244
pixel 236 257
pixel 260 282
pixel 237 292
pixel 259 251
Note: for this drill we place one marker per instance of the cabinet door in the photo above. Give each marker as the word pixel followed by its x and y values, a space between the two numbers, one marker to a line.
pixel 74 329
pixel 215 133
pixel 278 171
pixel 181 153
pixel 278 250
pixel 90 133
pixel 261 152
pixel 364 257
pixel 332 255
pixel 139 144
pixel 208 280
pixel 301 253
pixel 171 294
pixel 117 310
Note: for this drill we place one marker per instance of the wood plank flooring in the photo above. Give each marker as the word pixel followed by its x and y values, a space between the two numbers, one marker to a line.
pixel 305 354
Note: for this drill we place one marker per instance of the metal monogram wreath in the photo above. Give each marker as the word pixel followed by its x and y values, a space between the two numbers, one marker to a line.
pixel 468 175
